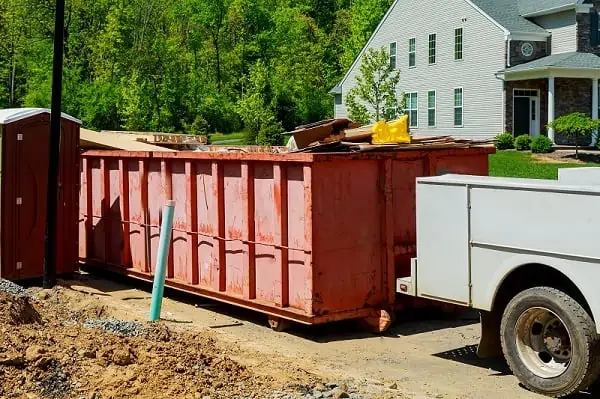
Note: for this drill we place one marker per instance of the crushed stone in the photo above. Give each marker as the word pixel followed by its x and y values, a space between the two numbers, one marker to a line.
pixel 13 289
pixel 118 327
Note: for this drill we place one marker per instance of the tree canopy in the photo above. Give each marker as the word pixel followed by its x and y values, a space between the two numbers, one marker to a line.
pixel 185 66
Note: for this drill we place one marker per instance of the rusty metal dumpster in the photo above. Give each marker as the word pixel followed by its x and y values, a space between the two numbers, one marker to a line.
pixel 306 237
pixel 25 135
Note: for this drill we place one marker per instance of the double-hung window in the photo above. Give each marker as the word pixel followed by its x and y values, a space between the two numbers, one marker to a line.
pixel 431 108
pixel 393 55
pixel 458 44
pixel 412 109
pixel 458 107
pixel 432 48
pixel 412 52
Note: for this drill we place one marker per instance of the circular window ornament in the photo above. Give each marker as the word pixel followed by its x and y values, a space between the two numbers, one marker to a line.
pixel 527 49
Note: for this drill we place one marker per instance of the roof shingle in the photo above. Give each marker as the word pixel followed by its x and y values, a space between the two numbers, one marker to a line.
pixel 565 60
pixel 507 13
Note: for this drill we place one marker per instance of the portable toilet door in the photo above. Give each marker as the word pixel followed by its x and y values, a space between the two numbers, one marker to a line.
pixel 25 140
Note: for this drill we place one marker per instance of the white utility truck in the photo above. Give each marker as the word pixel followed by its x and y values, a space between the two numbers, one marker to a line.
pixel 526 253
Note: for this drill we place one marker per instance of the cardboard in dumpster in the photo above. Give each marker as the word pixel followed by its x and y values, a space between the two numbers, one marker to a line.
pixel 317 132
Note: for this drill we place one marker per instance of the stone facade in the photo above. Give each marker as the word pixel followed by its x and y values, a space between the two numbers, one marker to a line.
pixel 540 49
pixel 584 34
pixel 534 84
pixel 572 95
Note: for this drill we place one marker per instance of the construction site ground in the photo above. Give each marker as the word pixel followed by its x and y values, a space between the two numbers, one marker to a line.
pixel 55 345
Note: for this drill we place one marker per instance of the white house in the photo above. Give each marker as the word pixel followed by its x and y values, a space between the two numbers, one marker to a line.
pixel 477 68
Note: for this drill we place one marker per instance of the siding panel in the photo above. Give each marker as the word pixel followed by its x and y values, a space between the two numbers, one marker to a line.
pixel 484 55
pixel 563 27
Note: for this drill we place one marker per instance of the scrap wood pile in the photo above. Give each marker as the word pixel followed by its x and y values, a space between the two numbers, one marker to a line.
pixel 343 135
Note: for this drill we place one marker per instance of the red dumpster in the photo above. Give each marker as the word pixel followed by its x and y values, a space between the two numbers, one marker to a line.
pixel 306 237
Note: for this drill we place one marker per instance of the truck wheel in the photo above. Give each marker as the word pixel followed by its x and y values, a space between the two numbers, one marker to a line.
pixel 550 342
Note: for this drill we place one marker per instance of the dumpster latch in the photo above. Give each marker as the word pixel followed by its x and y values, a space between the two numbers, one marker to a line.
pixel 19 265
pixel 19 136
pixel 19 200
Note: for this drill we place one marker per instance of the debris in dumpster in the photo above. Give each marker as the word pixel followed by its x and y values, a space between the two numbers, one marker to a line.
pixel 306 135
pixel 395 132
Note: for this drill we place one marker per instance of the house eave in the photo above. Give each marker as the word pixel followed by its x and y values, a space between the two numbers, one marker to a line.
pixel 547 72
pixel 528 36
pixel 578 7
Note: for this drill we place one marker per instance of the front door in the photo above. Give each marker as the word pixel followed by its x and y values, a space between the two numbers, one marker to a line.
pixel 526 107
pixel 522 123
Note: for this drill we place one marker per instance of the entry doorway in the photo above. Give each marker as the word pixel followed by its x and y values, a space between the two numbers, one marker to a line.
pixel 526 112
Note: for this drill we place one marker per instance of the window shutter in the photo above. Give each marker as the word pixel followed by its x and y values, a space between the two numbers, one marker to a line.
pixel 594 29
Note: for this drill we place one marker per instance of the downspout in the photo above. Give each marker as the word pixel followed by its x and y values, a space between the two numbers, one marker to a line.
pixel 508 41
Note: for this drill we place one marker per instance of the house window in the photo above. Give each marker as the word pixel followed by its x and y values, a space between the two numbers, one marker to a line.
pixel 412 109
pixel 432 44
pixel 458 107
pixel 458 44
pixel 393 55
pixel 431 105
pixel 412 52
pixel 338 99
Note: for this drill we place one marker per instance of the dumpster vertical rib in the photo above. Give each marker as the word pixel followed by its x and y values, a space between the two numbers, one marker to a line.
pixel 143 166
pixel 248 203
pixel 388 222
pixel 105 206
pixel 192 220
pixel 219 223
pixel 124 195
pixel 280 193
pixel 167 182
pixel 308 226
pixel 89 218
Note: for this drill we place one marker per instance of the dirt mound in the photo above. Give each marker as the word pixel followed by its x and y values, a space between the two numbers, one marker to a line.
pixel 17 310
pixel 55 356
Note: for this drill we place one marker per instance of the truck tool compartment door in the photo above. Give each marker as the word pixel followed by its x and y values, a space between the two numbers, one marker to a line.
pixel 443 242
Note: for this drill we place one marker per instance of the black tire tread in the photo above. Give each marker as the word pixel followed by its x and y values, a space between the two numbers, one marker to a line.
pixel 584 321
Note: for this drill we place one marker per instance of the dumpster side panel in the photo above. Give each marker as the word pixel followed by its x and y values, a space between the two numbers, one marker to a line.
pixel 299 233
pixel 183 264
pixel 235 221
pixel 114 219
pixel 404 173
pixel 206 208
pixel 268 275
pixel 459 163
pixel 348 252
pixel 137 213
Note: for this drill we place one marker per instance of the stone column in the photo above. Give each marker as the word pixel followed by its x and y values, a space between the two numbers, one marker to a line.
pixel 551 106
pixel 595 108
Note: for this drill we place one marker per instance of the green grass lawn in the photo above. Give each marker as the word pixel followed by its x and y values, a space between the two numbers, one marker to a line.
pixel 228 138
pixel 521 164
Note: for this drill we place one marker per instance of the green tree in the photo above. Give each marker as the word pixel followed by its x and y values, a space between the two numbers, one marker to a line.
pixel 577 126
pixel 375 88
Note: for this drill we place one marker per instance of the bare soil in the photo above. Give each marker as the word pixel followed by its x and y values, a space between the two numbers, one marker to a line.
pixel 204 349
pixel 568 156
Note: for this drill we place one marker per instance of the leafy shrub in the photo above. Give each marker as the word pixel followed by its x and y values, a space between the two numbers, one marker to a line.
pixel 523 142
pixel 542 145
pixel 505 141
pixel 577 126
pixel 270 135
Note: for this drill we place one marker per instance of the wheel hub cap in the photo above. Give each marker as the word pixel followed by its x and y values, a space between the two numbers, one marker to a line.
pixel 543 343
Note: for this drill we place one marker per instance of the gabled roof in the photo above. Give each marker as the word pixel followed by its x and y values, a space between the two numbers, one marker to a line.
pixel 16 114
pixel 565 60
pixel 508 14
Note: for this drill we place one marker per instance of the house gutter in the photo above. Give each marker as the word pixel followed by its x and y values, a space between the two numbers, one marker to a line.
pixel 580 8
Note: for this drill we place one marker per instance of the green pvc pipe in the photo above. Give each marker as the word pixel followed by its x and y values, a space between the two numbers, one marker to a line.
pixel 160 272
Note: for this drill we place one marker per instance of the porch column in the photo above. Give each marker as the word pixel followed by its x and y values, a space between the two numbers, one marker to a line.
pixel 551 106
pixel 595 108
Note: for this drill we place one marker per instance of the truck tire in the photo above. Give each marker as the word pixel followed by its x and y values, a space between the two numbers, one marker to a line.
pixel 550 342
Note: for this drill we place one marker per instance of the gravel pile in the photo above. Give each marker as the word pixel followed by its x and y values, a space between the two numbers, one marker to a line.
pixel 11 288
pixel 118 327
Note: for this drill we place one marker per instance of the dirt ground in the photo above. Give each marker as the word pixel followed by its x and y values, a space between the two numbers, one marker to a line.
pixel 204 349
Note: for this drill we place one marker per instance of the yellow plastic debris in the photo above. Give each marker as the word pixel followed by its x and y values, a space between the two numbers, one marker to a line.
pixel 394 132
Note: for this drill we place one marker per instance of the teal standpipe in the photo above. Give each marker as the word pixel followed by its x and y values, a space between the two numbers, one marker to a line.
pixel 161 261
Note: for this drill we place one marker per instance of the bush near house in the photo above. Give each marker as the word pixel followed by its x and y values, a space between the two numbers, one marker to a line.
pixel 523 143
pixel 576 125
pixel 542 145
pixel 505 141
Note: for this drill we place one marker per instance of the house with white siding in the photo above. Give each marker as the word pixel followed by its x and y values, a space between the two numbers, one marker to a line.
pixel 477 68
